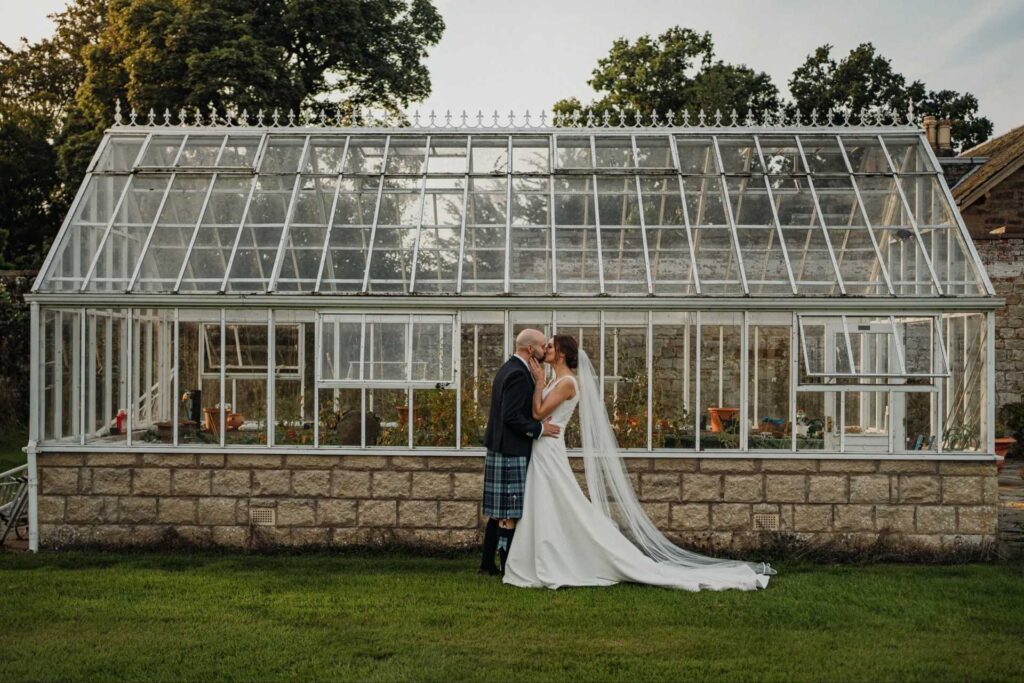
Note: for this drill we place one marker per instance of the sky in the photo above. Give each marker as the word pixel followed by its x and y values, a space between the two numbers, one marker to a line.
pixel 500 55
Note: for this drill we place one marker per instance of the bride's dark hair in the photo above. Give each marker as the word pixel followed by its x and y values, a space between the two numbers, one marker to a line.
pixel 567 346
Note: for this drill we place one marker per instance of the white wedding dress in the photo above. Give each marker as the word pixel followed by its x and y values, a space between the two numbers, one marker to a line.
pixel 565 539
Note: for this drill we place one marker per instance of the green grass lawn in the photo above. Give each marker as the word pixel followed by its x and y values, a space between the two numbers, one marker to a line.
pixel 94 616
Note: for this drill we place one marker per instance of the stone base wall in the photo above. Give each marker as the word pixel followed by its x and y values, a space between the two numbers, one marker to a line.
pixel 1004 260
pixel 320 500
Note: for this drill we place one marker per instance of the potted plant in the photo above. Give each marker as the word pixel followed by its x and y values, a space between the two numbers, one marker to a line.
pixel 1009 431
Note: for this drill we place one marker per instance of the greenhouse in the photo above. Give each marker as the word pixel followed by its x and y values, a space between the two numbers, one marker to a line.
pixel 786 290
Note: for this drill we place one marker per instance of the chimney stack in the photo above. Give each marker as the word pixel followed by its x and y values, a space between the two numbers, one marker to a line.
pixel 931 132
pixel 945 138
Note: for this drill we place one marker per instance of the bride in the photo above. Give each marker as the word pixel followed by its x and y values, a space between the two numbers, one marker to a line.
pixel 566 539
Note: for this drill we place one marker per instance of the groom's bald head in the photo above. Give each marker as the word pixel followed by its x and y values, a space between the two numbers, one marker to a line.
pixel 529 337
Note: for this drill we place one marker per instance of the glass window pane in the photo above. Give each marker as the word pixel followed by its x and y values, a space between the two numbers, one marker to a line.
pixel 326 155
pixel 406 154
pixel 169 244
pixel 432 350
pixel 964 421
pixel 653 151
pixel 200 150
pixel 386 356
pixel 531 155
pixel 667 243
pixel 105 375
pixel 489 155
pixel 865 155
pixel 350 236
pixel 739 154
pixel 696 155
pixel 342 416
pixel 908 154
pixel 307 231
pixel 576 236
pixel 447 155
pixel 199 347
pixel 614 151
pixel 674 391
pixel 293 381
pixel 483 353
pixel 781 155
pixel 260 237
pixel 823 154
pixel 720 368
pixel 216 235
pixel 240 150
pixel 574 152
pixel 621 236
pixel 162 150
pixel 119 154
pixel 625 382
pixel 704 201
pixel 433 418
pixel 340 341
pixel 283 154
pixel 365 155
pixel 768 367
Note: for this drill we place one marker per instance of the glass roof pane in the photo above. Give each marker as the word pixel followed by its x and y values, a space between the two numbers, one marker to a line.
pixel 406 154
pixel 350 236
pixel 739 154
pixel 750 202
pixel 781 155
pixel 576 236
pixel 119 154
pixel 123 245
pixel 851 241
pixel 614 151
pixel 303 247
pixel 908 154
pixel 574 152
pixel 260 237
pixel 447 155
pixel 667 243
pixel 395 237
pixel 208 261
pixel 882 202
pixel 823 154
pixel 240 151
pixel 717 264
pixel 365 155
pixel 200 150
pixel 927 200
pixel 953 266
pixel 865 155
pixel 325 155
pixel 169 244
pixel 696 155
pixel 437 259
pixel 283 154
pixel 531 155
pixel 622 249
pixel 704 201
pixel 763 260
pixel 74 253
pixel 162 150
pixel 489 155
pixel 483 267
pixel 653 151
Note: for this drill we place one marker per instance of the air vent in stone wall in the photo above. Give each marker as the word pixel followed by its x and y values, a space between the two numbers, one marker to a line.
pixel 262 516
pixel 766 521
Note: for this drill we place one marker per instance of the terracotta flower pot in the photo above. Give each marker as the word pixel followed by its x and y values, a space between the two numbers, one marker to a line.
pixel 1003 444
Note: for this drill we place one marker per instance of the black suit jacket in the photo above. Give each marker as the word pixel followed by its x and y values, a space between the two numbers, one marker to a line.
pixel 511 428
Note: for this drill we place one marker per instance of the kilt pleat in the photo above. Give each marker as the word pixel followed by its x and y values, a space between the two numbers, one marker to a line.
pixel 504 485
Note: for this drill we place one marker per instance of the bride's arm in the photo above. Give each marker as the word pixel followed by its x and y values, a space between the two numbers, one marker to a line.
pixel 545 405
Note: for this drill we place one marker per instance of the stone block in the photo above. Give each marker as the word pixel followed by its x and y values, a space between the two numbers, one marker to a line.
pixel 111 459
pixel 51 509
pixel 730 516
pixel 918 489
pixel 137 510
pixel 464 538
pixel 417 513
pixel 188 482
pixel 391 484
pixel 990 491
pixel 638 464
pixel 217 511
pixel 456 463
pixel 231 483
pixel 60 459
pixel 853 518
pixel 230 536
pixel 812 517
pixel 168 459
pixel 378 513
pixel 309 537
pixel 962 490
pixel 90 509
pixel 743 488
pixel 895 518
pixel 658 513
pixel 313 462
pixel 311 483
pixel 847 466
pixel 415 462
pixel 58 481
pixel 210 460
pixel 977 519
pixel 702 487
pixel 468 485
pixel 151 481
pixel 675 464
pixel 690 517
pixel 460 514
pixel 826 488
pixel 247 461
pixel 296 512
pixel 176 511
pixel 968 468
pixel 789 465
pixel 271 482
pixel 728 465
pixel 908 466
pixel 433 485
pixel 335 512
pixel 350 484
pixel 659 486
pixel 869 488
pixel 936 519
pixel 785 488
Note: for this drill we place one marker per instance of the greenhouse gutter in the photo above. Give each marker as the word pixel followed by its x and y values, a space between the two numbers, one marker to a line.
pixel 552 302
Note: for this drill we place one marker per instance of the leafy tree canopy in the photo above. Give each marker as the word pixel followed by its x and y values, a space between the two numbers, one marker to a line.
pixel 677 71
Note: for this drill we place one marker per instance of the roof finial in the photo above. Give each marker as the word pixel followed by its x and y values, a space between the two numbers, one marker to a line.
pixel 117 111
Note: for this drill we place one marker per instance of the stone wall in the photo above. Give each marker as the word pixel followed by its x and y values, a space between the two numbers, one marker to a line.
pixel 1004 260
pixel 1002 207
pixel 137 499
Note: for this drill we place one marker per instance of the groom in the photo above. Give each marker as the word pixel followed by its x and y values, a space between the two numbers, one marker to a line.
pixel 511 430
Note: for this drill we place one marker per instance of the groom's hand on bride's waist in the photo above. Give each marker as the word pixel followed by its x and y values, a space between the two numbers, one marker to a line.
pixel 551 429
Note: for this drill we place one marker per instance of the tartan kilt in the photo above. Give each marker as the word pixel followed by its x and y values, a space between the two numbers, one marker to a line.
pixel 504 485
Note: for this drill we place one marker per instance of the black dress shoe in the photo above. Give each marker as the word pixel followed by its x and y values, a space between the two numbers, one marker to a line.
pixel 489 571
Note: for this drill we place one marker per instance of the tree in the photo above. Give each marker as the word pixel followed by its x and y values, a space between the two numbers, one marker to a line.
pixel 676 71
pixel 865 81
